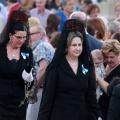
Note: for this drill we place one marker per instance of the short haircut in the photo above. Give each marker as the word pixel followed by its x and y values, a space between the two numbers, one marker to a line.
pixel 114 27
pixel 33 21
pixel 75 15
pixel 41 30
pixel 111 46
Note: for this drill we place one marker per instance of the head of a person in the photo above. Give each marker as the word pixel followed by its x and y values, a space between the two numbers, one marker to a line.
pixel 85 4
pixel 55 39
pixel 116 36
pixel 111 52
pixel 67 6
pixel 33 21
pixel 40 5
pixel 25 10
pixel 16 31
pixel 53 22
pixel 37 33
pixel 81 16
pixel 91 29
pixel 18 35
pixel 97 57
pixel 93 10
pixel 113 27
pixel 117 9
pixel 100 28
pixel 74 44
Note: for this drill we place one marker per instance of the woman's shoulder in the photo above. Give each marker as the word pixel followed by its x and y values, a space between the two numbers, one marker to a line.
pixel 2 47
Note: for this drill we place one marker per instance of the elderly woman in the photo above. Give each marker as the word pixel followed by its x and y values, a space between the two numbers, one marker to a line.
pixel 111 52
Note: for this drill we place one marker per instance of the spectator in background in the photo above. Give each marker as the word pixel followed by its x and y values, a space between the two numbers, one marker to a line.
pixel 98 61
pixel 2 22
pixel 93 11
pixel 53 23
pixel 100 29
pixel 116 36
pixel 40 12
pixel 67 6
pixel 117 19
pixel 93 42
pixel 3 2
pixel 117 9
pixel 55 39
pixel 77 5
pixel 33 21
pixel 27 3
pixel 113 27
pixel 111 53
pixel 55 5
pixel 90 29
pixel 3 11
pixel 43 53
pixel 14 5
pixel 25 10
pixel 84 5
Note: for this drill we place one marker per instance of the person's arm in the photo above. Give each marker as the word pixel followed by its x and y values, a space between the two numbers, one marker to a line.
pixel 41 73
pixel 102 83
pixel 48 96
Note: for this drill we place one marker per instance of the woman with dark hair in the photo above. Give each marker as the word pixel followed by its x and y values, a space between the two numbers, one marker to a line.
pixel 70 85
pixel 53 22
pixel 15 72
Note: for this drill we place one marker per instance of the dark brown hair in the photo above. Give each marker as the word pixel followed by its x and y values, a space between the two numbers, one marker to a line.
pixel 53 22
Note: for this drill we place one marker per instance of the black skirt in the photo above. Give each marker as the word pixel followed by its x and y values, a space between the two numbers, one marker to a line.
pixel 10 109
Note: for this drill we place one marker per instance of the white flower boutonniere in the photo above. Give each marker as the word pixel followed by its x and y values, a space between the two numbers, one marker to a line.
pixel 24 55
pixel 84 70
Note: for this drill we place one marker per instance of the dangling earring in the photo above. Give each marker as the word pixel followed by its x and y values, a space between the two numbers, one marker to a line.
pixel 9 40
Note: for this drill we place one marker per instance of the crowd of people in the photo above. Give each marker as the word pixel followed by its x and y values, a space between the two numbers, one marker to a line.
pixel 59 60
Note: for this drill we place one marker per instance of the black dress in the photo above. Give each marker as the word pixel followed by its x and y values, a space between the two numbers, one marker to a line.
pixel 12 90
pixel 104 100
pixel 66 95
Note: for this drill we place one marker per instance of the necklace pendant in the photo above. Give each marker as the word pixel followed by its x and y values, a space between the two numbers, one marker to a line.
pixel 13 55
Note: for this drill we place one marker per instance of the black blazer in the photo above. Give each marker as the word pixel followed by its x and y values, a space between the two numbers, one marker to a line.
pixel 104 100
pixel 66 95
pixel 114 108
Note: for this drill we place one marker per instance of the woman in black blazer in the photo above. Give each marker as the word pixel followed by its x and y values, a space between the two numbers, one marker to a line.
pixel 69 91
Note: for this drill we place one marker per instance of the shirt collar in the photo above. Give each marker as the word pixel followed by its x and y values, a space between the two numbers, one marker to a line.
pixel 40 41
pixel 41 13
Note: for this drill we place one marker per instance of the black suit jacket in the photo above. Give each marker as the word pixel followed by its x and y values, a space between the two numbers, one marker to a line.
pixel 114 108
pixel 66 95
pixel 93 42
